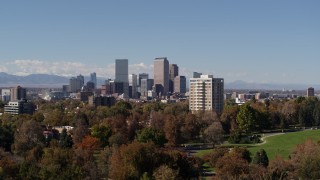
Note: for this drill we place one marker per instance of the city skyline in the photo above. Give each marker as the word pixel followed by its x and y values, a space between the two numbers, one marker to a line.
pixel 271 41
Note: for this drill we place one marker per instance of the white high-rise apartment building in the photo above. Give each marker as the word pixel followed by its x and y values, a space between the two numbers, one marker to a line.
pixel 206 94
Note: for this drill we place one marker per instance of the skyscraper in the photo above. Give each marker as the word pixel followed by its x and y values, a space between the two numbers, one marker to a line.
pixel 180 84
pixel 75 84
pixel 146 85
pixel 206 94
pixel 310 92
pixel 81 79
pixel 161 75
pixel 122 75
pixel 18 93
pixel 142 76
pixel 93 78
pixel 196 75
pixel 133 85
pixel 173 72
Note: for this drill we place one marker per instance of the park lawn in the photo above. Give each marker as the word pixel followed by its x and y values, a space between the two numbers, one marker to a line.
pixel 281 145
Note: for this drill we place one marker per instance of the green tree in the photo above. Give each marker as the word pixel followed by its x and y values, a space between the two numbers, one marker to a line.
pixel 65 139
pixel 6 137
pixel 150 134
pixel 246 118
pixel 56 163
pixel 103 133
pixel 261 158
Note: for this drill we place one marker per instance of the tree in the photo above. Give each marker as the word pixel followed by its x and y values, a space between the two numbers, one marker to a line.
pixel 191 127
pixel 9 168
pixel 27 137
pixel 246 118
pixel 261 158
pixel 214 133
pixel 117 140
pixel 133 160
pixel 151 135
pixel 215 155
pixel 231 166
pixel 280 169
pixel 306 160
pixel 6 137
pixel 229 118
pixel 172 130
pixel 89 143
pixel 103 163
pixel 80 131
pixel 65 139
pixel 164 172
pixel 56 163
pixel 103 133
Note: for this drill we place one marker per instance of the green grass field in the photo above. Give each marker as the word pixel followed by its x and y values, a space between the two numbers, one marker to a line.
pixel 281 145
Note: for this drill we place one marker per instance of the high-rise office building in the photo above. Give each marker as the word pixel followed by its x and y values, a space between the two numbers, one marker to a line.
pixel 18 93
pixel 133 84
pixel 75 84
pixel 81 79
pixel 206 94
pixel 142 76
pixel 161 75
pixel 122 75
pixel 196 75
pixel 173 72
pixel 180 84
pixel 310 92
pixel 146 85
pixel 93 78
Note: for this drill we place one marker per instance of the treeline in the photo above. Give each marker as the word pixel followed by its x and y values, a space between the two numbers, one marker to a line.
pixel 270 115
pixel 125 141
pixel 131 140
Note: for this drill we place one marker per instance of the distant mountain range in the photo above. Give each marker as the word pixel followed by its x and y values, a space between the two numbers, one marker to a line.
pixel 37 80
pixel 55 81
pixel 268 86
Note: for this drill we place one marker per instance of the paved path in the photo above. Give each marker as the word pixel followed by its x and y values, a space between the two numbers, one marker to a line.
pixel 264 136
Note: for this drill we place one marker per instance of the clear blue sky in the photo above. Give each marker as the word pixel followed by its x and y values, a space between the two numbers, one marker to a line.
pixel 251 40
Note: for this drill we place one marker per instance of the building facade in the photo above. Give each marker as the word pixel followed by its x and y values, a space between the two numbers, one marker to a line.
pixel 18 93
pixel 310 92
pixel 142 76
pixel 161 75
pixel 93 78
pixel 75 84
pixel 5 95
pixel 133 86
pixel 180 84
pixel 121 75
pixel 146 85
pixel 196 74
pixel 173 72
pixel 19 107
pixel 206 94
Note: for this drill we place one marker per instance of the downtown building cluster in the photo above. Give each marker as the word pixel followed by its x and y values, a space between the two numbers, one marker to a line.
pixel 167 85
